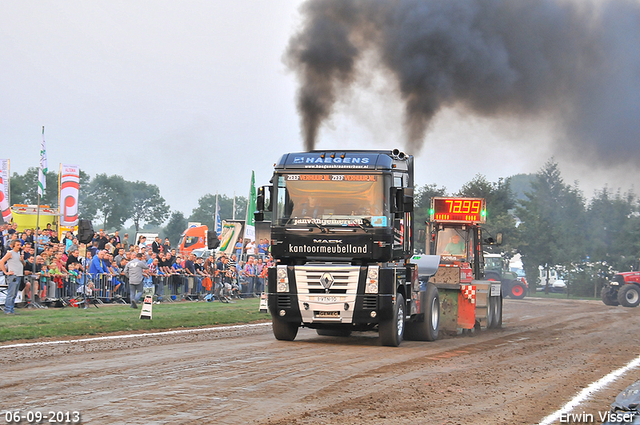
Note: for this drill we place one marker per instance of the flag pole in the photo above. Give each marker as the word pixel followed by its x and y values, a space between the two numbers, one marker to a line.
pixel 234 205
pixel 42 183
pixel 35 252
pixel 215 216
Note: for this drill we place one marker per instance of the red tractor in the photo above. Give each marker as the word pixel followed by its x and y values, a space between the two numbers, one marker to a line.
pixel 623 289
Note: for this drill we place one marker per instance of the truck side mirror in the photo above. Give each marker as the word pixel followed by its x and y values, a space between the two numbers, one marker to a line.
pixel 212 239
pixel 260 199
pixel 268 200
pixel 407 200
pixel 396 197
pixel 263 202
pixel 491 241
pixel 401 199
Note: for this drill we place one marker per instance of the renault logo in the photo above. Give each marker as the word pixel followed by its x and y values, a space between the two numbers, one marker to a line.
pixel 326 280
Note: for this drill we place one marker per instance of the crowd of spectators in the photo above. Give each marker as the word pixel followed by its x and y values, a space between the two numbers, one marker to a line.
pixel 65 262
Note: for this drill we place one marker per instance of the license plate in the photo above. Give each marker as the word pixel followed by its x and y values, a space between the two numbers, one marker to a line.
pixel 327 299
pixel 327 314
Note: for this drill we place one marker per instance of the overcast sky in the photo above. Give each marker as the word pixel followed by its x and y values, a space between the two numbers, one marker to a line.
pixel 193 95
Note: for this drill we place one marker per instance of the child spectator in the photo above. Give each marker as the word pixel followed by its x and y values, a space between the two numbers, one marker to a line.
pixel 43 278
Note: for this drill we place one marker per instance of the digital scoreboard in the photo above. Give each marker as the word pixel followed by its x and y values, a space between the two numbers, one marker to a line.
pixel 458 210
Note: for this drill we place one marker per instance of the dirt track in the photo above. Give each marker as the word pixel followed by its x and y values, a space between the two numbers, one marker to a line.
pixel 547 352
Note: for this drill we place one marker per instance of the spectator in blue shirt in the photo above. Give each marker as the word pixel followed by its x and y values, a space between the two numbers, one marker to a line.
pixel 263 249
pixel 98 264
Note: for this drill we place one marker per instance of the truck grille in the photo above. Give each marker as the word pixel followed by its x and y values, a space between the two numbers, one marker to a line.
pixel 345 279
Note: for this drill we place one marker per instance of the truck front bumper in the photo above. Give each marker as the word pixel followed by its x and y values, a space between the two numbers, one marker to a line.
pixel 309 309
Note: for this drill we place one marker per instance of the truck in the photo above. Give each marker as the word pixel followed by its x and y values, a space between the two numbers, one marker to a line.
pixel 496 268
pixel 623 289
pixel 549 280
pixel 342 237
pixel 457 236
pixel 195 237
pixel 26 216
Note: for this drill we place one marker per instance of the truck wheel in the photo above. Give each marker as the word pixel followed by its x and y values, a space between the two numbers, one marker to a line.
pixel 609 297
pixel 517 291
pixel 629 295
pixel 392 331
pixel 427 330
pixel 284 331
pixel 491 311
pixel 492 276
pixel 333 332
pixel 497 312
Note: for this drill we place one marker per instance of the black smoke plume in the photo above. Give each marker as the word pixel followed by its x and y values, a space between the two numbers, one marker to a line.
pixel 576 62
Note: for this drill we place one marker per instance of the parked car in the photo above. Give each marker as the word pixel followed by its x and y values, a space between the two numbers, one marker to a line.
pixel 558 286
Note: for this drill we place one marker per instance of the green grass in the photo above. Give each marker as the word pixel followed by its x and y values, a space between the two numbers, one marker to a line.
pixel 541 294
pixel 70 321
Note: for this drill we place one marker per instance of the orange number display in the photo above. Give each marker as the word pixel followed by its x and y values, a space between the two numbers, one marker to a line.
pixel 458 209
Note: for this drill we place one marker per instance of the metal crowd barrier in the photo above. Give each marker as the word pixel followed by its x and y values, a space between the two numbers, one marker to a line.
pixel 62 291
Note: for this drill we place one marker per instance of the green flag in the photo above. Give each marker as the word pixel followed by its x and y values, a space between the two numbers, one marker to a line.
pixel 250 229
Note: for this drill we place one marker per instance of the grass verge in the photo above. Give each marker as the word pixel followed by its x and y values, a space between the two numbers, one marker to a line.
pixel 109 318
pixel 541 294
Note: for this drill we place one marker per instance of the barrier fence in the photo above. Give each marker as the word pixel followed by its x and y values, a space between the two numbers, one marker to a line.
pixel 64 290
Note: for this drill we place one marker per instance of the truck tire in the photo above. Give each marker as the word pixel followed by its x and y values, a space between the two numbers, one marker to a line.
pixel 428 329
pixel 493 276
pixel 517 290
pixel 491 311
pixel 497 312
pixel 333 332
pixel 629 295
pixel 392 330
pixel 284 331
pixel 609 297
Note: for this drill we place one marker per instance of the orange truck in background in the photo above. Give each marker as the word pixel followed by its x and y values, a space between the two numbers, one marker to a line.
pixel 193 238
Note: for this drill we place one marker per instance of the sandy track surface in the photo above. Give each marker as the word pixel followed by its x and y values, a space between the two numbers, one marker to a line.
pixel 547 351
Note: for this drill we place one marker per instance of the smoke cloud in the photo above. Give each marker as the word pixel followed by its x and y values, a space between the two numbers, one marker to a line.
pixel 577 63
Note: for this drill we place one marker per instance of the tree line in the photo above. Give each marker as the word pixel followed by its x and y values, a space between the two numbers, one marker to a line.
pixel 110 201
pixel 551 224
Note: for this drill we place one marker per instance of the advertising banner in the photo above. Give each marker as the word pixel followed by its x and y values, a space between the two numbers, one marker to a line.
pixel 69 191
pixel 4 190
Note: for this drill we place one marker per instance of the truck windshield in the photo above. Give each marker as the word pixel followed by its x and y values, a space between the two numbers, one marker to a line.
pixel 493 263
pixel 452 243
pixel 331 200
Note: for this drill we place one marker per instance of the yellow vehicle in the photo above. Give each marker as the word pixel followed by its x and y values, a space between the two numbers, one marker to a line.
pixel 26 216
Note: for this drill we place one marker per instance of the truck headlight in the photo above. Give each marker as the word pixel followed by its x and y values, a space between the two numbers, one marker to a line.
pixel 282 279
pixel 371 286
